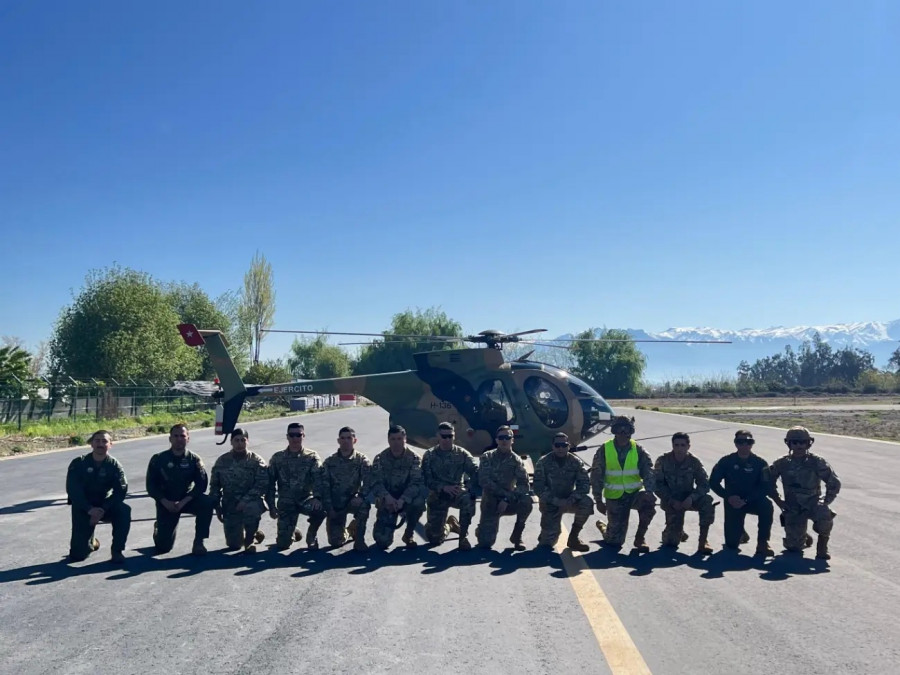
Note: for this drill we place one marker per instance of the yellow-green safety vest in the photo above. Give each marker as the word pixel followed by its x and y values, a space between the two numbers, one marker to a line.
pixel 618 481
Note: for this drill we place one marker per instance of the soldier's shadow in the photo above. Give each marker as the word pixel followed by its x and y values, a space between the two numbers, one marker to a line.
pixel 509 560
pixel 640 564
pixel 58 570
pixel 786 565
pixel 726 560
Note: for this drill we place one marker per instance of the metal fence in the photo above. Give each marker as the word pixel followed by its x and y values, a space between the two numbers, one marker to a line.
pixel 23 401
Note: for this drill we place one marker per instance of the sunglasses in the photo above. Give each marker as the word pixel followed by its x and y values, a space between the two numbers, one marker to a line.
pixel 504 437
pixel 744 441
pixel 799 441
pixel 446 435
pixel 560 445
pixel 295 435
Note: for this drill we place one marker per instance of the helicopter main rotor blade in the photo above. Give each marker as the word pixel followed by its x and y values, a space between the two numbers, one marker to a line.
pixel 375 335
pixel 526 332
pixel 696 342
pixel 545 344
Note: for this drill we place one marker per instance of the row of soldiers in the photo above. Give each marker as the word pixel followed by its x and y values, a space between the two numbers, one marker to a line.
pixel 401 487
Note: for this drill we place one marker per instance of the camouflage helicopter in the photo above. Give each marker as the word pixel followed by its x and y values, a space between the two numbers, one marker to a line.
pixel 476 390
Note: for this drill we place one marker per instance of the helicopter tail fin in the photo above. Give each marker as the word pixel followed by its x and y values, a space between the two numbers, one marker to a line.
pixel 233 389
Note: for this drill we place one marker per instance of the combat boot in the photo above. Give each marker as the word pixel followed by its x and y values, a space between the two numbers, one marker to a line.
pixel 198 548
pixel 351 529
pixel 117 557
pixel 822 548
pixel 792 549
pixel 359 544
pixel 684 536
pixel 250 549
pixel 574 542
pixel 602 527
pixel 807 540
pixel 464 543
pixel 640 544
pixel 703 547
pixel 259 536
pixel 409 538
pixel 745 538
pixel 94 545
pixel 312 541
pixel 298 535
pixel 516 537
pixel 453 524
pixel 763 550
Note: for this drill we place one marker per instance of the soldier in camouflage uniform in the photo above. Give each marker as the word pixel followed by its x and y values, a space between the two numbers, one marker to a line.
pixel 342 481
pixel 504 491
pixel 561 483
pixel 620 468
pixel 682 485
pixel 96 487
pixel 445 466
pixel 293 473
pixel 397 487
pixel 238 484
pixel 802 474
pixel 177 482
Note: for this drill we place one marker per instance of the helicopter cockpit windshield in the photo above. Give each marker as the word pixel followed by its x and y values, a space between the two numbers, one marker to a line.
pixel 597 412
pixel 547 401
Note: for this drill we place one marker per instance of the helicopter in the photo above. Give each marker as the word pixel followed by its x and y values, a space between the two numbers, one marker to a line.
pixel 476 390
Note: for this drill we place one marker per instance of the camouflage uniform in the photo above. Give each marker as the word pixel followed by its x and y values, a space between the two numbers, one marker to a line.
pixel 443 468
pixel 676 481
pixel 565 478
pixel 401 478
pixel 91 484
pixel 618 510
pixel 239 481
pixel 503 478
pixel 802 478
pixel 293 476
pixel 174 478
pixel 340 480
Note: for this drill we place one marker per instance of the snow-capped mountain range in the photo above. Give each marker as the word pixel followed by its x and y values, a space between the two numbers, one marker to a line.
pixel 678 361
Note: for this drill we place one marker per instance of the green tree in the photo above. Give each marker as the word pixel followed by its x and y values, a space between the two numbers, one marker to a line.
pixel 894 361
pixel 258 301
pixel 193 305
pixel 314 359
pixel 613 365
pixel 273 371
pixel 396 353
pixel 239 333
pixel 121 325
pixel 14 371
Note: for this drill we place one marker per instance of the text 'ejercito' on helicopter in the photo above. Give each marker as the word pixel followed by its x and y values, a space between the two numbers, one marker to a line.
pixel 475 389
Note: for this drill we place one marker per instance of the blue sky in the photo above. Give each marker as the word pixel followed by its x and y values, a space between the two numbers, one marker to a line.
pixel 519 164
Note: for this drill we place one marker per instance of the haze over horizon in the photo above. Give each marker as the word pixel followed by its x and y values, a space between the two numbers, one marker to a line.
pixel 520 165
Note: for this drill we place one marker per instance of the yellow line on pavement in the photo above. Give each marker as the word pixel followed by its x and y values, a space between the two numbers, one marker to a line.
pixel 621 653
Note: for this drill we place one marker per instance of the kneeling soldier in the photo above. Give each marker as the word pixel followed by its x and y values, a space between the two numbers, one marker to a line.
pixel 621 467
pixel 562 485
pixel 444 467
pixel 504 485
pixel 802 474
pixel 177 482
pixel 96 487
pixel 239 481
pixel 293 473
pixel 682 485
pixel 397 488
pixel 341 483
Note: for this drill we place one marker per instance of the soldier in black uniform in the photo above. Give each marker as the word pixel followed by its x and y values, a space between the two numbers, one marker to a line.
pixel 96 486
pixel 746 490
pixel 177 482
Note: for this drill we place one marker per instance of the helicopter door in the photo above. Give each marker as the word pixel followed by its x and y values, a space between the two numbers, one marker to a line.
pixel 494 408
pixel 547 401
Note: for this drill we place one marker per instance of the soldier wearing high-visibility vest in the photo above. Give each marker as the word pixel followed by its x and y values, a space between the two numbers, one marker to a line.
pixel 622 479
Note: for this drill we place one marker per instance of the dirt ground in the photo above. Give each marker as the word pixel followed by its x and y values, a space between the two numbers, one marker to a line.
pixel 845 415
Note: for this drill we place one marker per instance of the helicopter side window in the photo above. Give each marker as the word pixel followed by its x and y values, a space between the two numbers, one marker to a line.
pixel 547 401
pixel 493 404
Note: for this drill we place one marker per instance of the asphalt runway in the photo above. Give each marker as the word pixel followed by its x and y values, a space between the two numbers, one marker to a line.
pixel 439 610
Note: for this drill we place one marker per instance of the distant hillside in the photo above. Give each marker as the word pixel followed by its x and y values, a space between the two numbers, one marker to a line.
pixel 677 361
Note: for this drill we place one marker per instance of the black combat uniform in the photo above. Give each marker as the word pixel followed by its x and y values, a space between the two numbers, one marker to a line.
pixel 91 484
pixel 174 478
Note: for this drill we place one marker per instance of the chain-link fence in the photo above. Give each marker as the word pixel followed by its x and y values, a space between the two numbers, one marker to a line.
pixel 22 401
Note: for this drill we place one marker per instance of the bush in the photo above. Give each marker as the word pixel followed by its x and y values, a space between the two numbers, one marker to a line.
pixel 206 423
pixel 17 449
pixel 76 440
